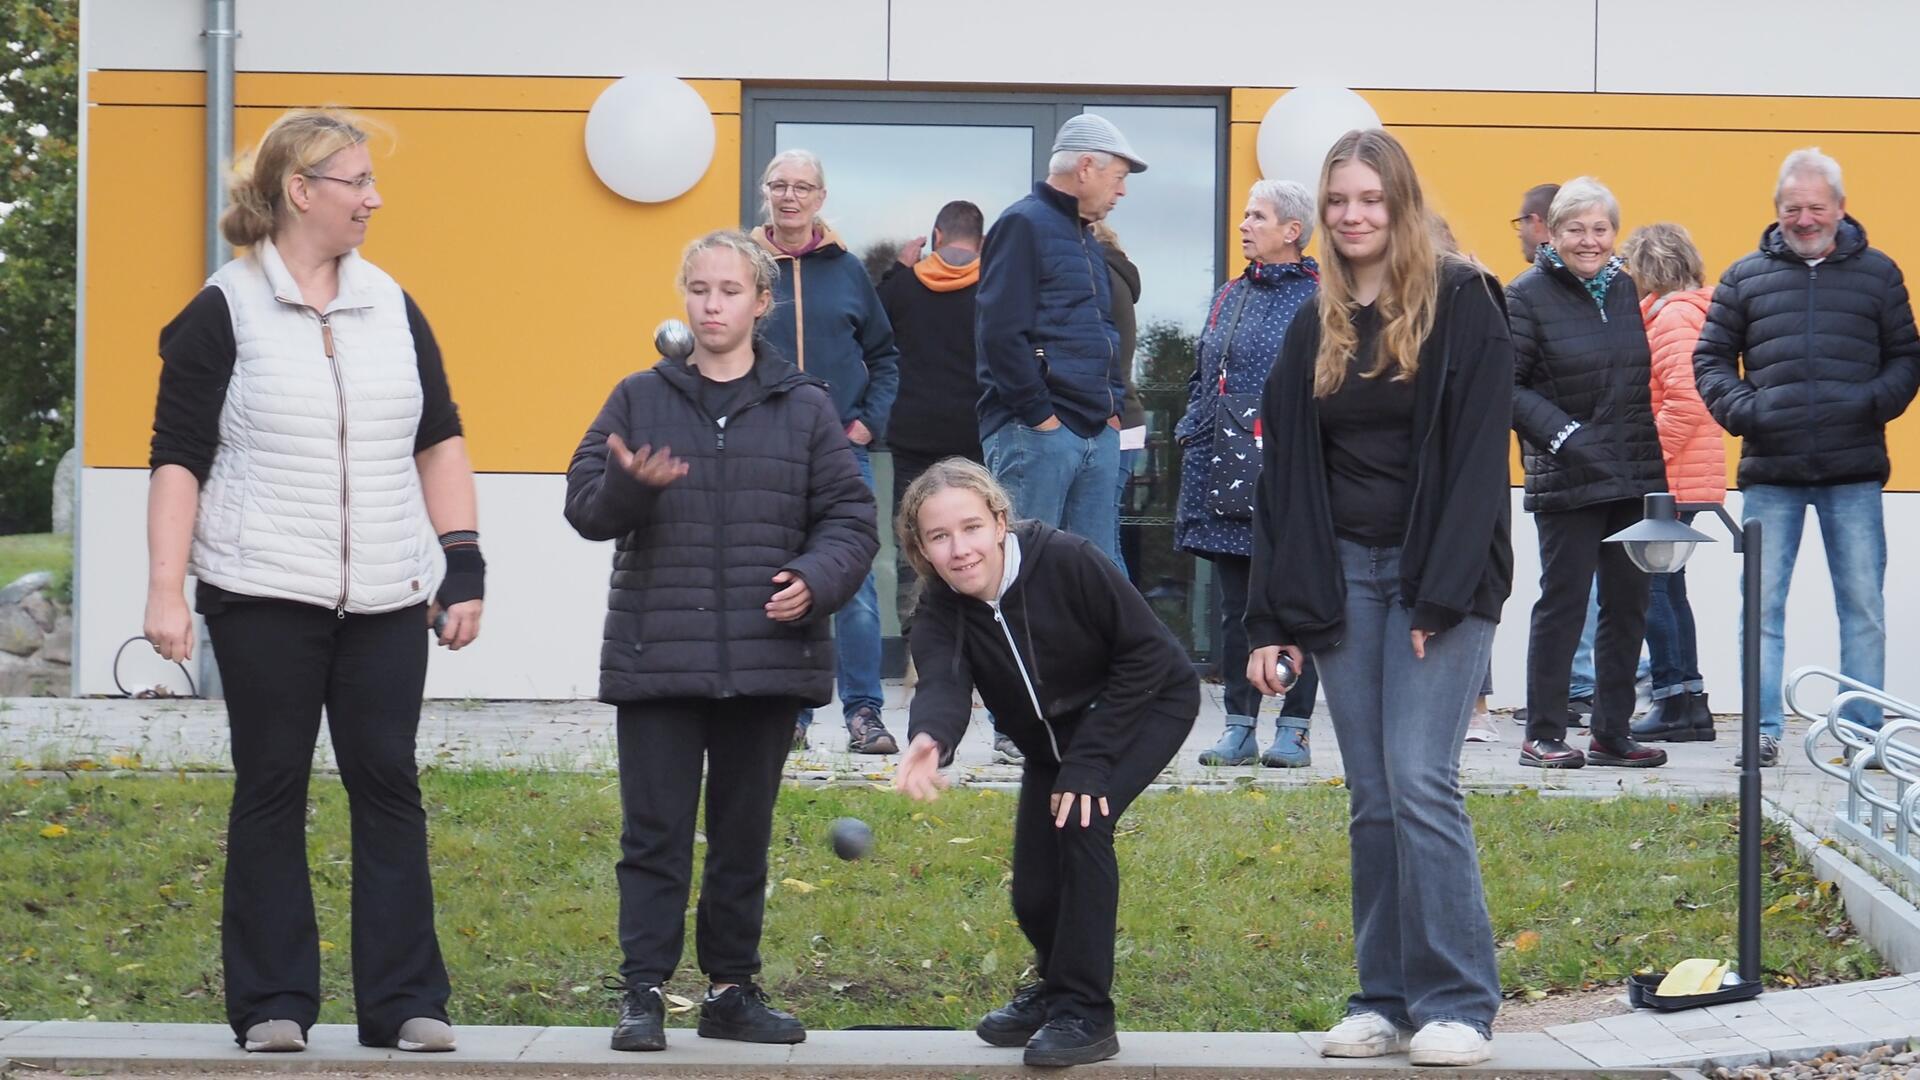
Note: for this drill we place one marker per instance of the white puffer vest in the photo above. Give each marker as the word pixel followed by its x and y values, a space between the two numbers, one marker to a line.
pixel 314 495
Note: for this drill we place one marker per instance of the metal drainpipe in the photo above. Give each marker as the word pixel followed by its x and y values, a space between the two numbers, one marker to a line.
pixel 220 36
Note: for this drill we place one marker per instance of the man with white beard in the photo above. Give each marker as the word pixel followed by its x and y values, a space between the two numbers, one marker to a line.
pixel 1809 351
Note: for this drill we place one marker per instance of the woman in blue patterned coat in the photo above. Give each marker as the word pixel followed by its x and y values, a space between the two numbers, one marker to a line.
pixel 1245 326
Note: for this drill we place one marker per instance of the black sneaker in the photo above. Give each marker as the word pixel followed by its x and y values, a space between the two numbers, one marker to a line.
pixel 1005 752
pixel 867 735
pixel 741 1013
pixel 1015 1022
pixel 1072 1040
pixel 643 1019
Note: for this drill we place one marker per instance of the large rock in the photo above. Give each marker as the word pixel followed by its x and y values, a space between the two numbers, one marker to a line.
pixel 19 633
pixel 57 648
pixel 42 609
pixel 66 488
pixel 24 585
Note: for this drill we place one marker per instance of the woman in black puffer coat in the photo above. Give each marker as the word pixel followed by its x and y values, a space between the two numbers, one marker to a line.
pixel 742 523
pixel 1583 406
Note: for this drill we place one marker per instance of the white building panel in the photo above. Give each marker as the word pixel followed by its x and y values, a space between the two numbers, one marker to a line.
pixel 759 39
pixel 1844 48
pixel 547 595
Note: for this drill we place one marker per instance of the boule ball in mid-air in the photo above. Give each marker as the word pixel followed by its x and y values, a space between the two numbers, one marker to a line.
pixel 674 339
pixel 851 837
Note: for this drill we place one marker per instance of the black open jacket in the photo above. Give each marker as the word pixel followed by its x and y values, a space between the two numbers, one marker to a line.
pixel 1100 662
pixel 1456 558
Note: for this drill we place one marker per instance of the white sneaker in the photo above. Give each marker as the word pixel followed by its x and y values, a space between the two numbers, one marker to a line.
pixel 1445 1042
pixel 1364 1034
pixel 425 1035
pixel 275 1037
pixel 1480 728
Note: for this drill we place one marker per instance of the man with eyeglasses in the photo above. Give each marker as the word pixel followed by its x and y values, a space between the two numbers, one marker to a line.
pixel 1532 222
pixel 1051 387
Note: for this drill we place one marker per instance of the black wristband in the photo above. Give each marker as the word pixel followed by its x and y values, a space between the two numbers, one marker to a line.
pixel 466 575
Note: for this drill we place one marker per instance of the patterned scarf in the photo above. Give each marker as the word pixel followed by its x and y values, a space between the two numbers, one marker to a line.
pixel 1597 284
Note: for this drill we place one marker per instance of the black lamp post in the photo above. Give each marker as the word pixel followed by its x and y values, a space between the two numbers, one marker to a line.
pixel 1660 544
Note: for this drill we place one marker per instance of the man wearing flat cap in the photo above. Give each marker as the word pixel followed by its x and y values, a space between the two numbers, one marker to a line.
pixel 1048 355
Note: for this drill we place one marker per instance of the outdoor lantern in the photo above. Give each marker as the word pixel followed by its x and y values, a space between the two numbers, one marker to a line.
pixel 1660 542
pixel 1302 126
pixel 649 137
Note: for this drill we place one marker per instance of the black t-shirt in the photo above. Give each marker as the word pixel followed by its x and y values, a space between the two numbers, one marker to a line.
pixel 720 400
pixel 198 351
pixel 1366 430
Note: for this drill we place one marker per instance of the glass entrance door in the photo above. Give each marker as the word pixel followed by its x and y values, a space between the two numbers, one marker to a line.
pixel 893 159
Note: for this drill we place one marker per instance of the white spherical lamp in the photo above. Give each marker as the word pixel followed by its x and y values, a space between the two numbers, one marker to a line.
pixel 1302 126
pixel 649 137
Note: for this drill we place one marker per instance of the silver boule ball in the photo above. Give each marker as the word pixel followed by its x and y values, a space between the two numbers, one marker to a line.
pixel 674 339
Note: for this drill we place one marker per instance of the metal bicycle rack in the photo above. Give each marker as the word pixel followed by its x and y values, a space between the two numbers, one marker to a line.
pixel 1885 822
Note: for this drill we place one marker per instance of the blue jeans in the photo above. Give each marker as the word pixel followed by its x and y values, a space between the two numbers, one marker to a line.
pixel 1061 479
pixel 1422 941
pixel 856 637
pixel 1582 684
pixel 1671 639
pixel 1128 460
pixel 1855 535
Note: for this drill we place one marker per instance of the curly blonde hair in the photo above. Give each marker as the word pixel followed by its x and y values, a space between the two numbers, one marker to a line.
pixel 1661 258
pixel 953 472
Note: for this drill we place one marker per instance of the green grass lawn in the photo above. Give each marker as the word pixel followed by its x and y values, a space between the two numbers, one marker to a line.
pixel 27 552
pixel 1234 915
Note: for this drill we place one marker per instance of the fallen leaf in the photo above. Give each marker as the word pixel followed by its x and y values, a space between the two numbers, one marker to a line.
pixel 963 840
pixel 54 832
pixel 797 885
pixel 124 968
pixel 677 1004
pixel 327 946
pixel 1526 941
pixel 1536 995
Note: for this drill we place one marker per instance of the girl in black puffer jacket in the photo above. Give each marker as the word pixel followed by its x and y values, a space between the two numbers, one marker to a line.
pixel 742 525
pixel 1583 406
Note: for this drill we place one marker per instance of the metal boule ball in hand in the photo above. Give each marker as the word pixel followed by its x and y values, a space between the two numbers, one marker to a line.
pixel 851 837
pixel 674 339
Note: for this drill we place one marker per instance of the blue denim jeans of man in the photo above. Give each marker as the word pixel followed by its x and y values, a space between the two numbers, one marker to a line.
pixel 1671 638
pixel 1061 479
pixel 1854 532
pixel 856 637
pixel 1582 683
pixel 1129 460
pixel 1423 943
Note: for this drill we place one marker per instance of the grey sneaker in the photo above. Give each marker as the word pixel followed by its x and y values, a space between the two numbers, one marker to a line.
pixel 275 1037
pixel 867 735
pixel 1769 753
pixel 1005 752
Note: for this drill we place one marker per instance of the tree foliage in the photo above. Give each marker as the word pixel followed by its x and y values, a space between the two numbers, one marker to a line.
pixel 39 158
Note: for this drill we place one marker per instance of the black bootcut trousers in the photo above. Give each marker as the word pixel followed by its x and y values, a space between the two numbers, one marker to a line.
pixel 743 743
pixel 282 663
pixel 1066 881
pixel 1572 547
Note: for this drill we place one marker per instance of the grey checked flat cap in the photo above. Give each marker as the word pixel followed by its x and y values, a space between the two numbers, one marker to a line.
pixel 1096 134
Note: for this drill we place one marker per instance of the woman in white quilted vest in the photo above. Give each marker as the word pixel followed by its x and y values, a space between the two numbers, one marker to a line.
pixel 309 471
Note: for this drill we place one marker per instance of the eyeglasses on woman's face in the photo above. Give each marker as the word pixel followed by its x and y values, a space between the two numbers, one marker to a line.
pixel 357 183
pixel 780 189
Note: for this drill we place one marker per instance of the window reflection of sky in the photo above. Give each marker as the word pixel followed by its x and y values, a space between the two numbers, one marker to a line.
pixel 1168 222
pixel 887 181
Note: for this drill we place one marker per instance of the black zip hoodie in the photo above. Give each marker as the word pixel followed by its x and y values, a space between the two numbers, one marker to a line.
pixel 1099 661
pixel 1456 557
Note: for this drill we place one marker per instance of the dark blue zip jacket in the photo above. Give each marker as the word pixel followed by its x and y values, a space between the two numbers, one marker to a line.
pixel 828 322
pixel 1043 322
pixel 1808 364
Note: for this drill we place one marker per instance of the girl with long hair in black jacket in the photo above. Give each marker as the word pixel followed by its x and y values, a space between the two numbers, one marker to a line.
pixel 1381 548
pixel 1098 695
